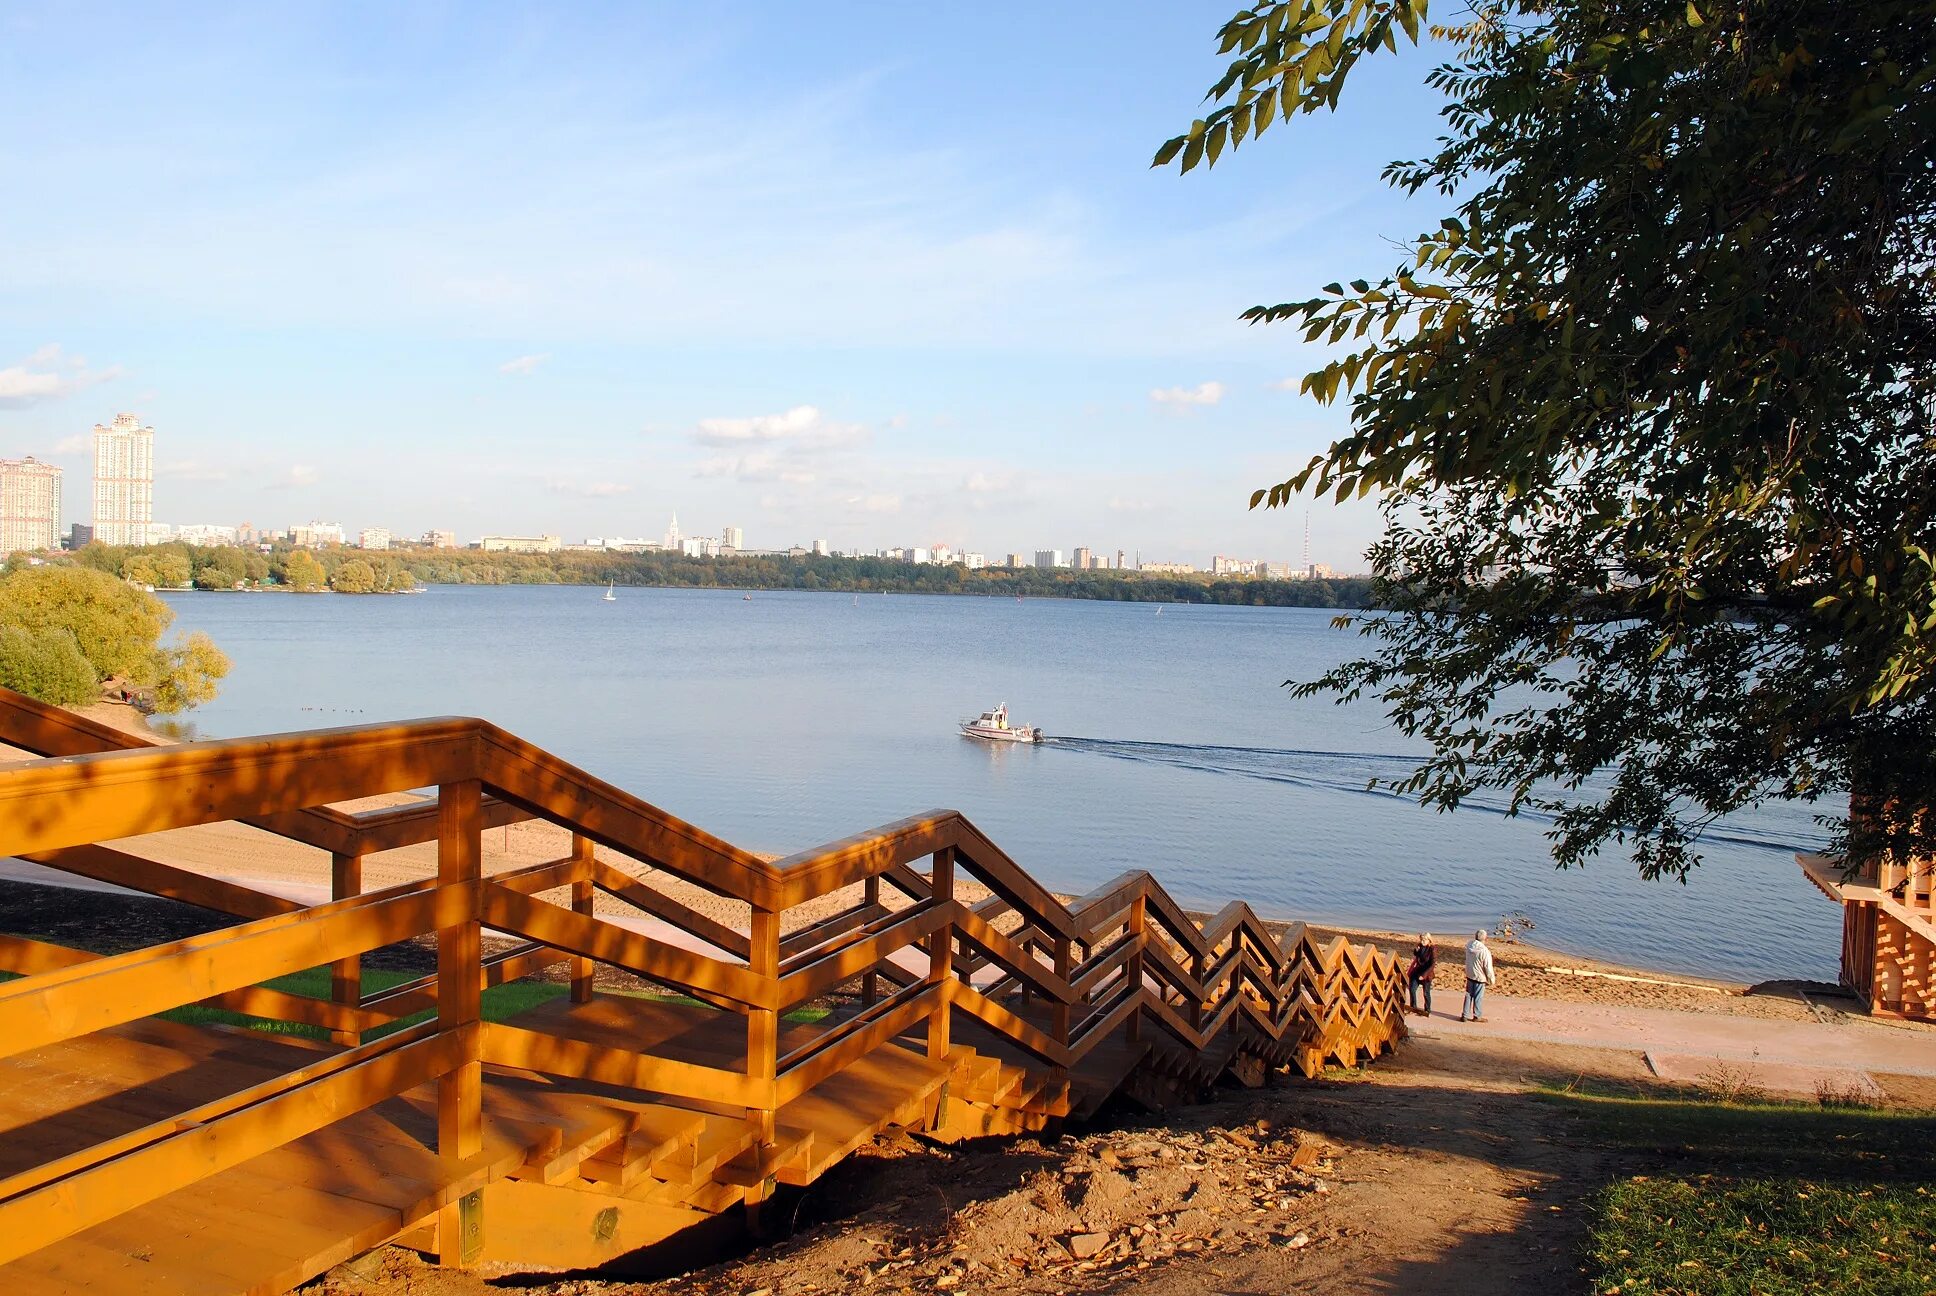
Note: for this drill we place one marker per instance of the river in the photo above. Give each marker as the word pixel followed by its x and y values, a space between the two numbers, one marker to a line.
pixel 788 719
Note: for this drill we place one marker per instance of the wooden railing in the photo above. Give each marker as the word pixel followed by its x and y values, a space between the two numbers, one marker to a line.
pixel 1055 979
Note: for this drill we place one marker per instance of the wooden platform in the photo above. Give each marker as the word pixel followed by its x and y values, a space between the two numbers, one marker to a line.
pixel 140 1155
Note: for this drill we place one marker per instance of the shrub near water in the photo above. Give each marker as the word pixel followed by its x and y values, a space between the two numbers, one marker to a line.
pixel 51 616
pixel 46 664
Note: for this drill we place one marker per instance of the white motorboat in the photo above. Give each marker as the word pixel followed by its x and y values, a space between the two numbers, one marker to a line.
pixel 994 726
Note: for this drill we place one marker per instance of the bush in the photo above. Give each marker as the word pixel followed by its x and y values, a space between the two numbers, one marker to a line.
pixel 113 629
pixel 48 665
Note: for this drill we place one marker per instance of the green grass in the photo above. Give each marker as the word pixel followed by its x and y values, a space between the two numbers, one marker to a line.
pixel 498 1003
pixel 1768 1199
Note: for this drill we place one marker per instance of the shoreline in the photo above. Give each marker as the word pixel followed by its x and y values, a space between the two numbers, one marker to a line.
pixel 255 858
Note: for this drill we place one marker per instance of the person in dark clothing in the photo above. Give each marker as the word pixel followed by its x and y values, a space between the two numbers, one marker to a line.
pixel 1425 961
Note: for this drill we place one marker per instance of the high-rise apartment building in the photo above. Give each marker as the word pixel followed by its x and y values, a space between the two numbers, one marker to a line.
pixel 733 538
pixel 373 538
pixel 1085 558
pixel 30 505
pixel 124 481
pixel 1049 559
pixel 439 540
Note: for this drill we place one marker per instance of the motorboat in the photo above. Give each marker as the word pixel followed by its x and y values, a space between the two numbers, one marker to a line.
pixel 994 726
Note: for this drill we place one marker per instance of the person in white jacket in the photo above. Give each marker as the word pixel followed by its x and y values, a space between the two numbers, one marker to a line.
pixel 1478 975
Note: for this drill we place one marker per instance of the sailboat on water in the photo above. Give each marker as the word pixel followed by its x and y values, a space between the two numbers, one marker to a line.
pixel 610 597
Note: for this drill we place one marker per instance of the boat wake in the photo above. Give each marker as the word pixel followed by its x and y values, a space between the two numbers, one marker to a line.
pixel 1371 773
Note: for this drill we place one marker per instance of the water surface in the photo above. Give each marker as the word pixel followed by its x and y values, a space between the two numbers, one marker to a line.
pixel 794 718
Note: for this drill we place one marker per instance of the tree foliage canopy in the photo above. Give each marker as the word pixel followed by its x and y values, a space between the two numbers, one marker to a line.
pixel 1650 412
pixel 111 627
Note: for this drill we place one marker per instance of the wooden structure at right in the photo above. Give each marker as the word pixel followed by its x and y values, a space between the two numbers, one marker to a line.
pixel 1888 929
pixel 139 1153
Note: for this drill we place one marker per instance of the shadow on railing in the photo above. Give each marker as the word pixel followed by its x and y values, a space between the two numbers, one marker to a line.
pixel 1055 980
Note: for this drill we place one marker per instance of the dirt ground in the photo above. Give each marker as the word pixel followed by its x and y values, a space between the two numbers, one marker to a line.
pixel 1441 1169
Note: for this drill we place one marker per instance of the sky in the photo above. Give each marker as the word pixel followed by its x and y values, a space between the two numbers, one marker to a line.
pixel 872 273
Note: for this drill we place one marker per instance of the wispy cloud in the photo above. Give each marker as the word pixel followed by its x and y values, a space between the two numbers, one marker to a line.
pixel 589 490
pixel 79 443
pixel 793 447
pixel 524 365
pixel 48 374
pixel 759 466
pixel 298 475
pixel 1208 393
pixel 801 426
pixel 190 470
pixel 876 503
pixel 1287 384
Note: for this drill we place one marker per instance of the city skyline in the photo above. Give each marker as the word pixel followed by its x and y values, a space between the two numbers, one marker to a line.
pixel 838 317
pixel 122 495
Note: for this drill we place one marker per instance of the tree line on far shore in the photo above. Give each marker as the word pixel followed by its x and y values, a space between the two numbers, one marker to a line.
pixel 356 571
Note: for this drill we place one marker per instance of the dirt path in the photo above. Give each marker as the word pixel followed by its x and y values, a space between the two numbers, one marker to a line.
pixel 1440 1170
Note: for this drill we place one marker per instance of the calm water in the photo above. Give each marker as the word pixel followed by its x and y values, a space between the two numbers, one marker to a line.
pixel 796 718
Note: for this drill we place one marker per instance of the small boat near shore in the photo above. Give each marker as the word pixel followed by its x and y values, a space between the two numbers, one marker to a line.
pixel 993 726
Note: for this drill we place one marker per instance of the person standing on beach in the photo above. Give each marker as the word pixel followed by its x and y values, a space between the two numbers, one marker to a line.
pixel 1478 975
pixel 1425 961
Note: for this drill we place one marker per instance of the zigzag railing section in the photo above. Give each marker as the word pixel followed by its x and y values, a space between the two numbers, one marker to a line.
pixel 1054 981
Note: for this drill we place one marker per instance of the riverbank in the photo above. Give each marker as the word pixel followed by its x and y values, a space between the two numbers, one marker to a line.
pixel 737 571
pixel 262 860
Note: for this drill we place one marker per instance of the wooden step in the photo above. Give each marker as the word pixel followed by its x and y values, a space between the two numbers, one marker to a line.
pixel 658 1134
pixel 762 1162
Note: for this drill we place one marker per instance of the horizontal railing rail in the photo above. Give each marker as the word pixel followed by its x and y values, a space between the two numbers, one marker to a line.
pixel 1057 979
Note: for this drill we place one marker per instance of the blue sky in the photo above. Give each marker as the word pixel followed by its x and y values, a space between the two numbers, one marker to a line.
pixel 878 273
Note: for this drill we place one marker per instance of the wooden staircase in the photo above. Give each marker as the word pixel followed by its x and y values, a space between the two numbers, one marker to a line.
pixel 596 1128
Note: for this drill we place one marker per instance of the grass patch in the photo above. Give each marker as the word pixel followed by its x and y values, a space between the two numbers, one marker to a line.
pixel 497 1003
pixel 1771 1199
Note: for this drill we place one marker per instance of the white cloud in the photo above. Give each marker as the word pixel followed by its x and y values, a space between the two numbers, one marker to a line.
pixel 79 443
pixel 874 503
pixel 794 447
pixel 1118 504
pixel 298 475
pixel 589 490
pixel 48 374
pixel 1287 384
pixel 1208 393
pixel 524 364
pixel 802 426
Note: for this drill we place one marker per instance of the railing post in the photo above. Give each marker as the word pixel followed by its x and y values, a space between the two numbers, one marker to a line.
pixel 1133 967
pixel 870 982
pixel 763 1040
pixel 1065 966
pixel 1200 1005
pixel 460 1092
pixel 583 969
pixel 941 954
pixel 346 975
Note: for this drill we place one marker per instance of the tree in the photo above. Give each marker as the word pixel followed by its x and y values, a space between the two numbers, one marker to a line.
pixel 189 673
pixel 46 664
pixel 115 629
pixel 354 577
pixel 303 573
pixel 1649 413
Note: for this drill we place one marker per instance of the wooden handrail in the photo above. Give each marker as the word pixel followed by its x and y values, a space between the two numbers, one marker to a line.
pixel 1097 967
